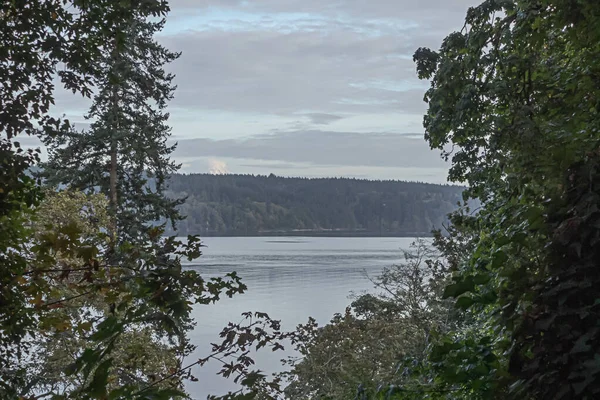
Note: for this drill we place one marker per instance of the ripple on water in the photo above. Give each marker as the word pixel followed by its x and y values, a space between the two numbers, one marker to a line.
pixel 290 279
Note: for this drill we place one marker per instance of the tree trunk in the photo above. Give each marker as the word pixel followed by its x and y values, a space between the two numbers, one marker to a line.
pixel 113 200
pixel 113 180
pixel 113 189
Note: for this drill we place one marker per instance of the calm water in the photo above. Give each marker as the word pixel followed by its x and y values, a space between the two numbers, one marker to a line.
pixel 288 278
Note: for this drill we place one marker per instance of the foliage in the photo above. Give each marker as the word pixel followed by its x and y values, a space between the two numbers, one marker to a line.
pixel 32 47
pixel 33 44
pixel 125 146
pixel 515 93
pixel 139 356
pixel 250 205
pixel 18 194
pixel 101 322
pixel 136 286
pixel 379 339
pixel 88 213
pixel 47 278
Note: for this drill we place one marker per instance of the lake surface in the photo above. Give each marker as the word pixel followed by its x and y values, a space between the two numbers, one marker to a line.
pixel 290 278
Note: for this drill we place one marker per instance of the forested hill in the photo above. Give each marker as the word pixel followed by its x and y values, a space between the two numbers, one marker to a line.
pixel 260 205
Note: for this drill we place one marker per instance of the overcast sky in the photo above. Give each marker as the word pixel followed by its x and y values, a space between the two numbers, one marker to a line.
pixel 302 87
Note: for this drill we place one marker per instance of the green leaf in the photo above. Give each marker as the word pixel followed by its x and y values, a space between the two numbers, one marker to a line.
pixel 97 386
pixel 251 378
pixel 464 302
pixel 107 328
pixel 581 345
pixel 71 369
pixel 498 259
pixel 481 279
pixel 458 288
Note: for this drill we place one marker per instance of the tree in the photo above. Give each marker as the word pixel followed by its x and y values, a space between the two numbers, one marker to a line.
pixel 34 41
pixel 124 154
pixel 379 339
pixel 515 94
pixel 140 354
pixel 138 273
pixel 145 285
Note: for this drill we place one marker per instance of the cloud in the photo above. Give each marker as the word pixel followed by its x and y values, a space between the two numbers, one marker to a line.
pixel 307 170
pixel 286 57
pixel 217 167
pixel 364 9
pixel 291 57
pixel 273 73
pixel 276 165
pixel 322 118
pixel 28 141
pixel 325 148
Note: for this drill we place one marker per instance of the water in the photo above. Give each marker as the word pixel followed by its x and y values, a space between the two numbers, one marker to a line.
pixel 288 278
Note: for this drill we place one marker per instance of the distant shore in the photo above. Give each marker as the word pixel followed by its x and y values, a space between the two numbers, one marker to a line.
pixel 311 233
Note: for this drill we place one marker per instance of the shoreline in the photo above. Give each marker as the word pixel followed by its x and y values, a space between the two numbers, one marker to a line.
pixel 340 234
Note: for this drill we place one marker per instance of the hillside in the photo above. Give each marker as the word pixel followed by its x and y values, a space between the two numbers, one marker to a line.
pixel 260 205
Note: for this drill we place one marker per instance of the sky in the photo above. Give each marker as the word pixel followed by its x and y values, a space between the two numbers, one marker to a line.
pixel 302 87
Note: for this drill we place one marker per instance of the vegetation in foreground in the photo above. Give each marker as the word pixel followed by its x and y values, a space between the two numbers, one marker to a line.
pixel 510 309
pixel 94 302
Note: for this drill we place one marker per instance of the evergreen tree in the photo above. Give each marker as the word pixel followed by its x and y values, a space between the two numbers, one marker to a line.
pixel 108 44
pixel 125 154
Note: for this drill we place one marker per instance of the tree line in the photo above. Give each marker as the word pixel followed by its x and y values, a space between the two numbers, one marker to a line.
pixel 255 205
